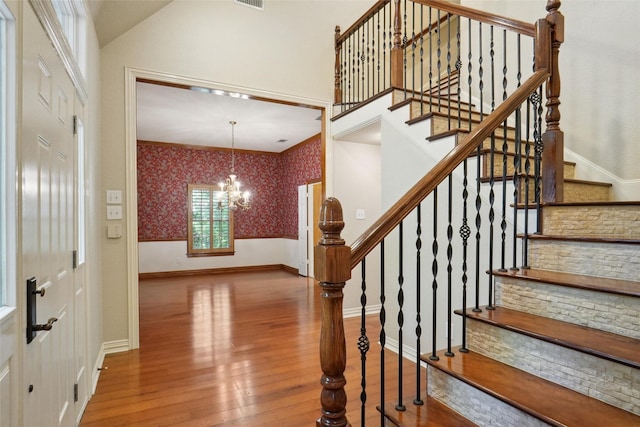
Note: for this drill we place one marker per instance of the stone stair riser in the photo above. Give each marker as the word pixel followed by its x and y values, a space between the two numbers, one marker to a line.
pixel 420 108
pixel 611 382
pixel 573 192
pixel 585 192
pixel 569 169
pixel 592 220
pixel 474 404
pixel 600 259
pixel 617 314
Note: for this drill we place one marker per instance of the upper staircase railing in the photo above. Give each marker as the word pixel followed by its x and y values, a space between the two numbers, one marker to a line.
pixel 502 144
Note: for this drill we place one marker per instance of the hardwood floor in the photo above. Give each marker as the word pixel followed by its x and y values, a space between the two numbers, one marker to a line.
pixel 232 350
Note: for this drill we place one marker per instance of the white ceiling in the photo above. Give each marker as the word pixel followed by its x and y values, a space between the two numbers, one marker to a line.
pixel 201 116
pixel 178 115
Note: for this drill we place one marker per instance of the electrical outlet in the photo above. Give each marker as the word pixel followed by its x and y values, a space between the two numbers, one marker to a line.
pixel 114 212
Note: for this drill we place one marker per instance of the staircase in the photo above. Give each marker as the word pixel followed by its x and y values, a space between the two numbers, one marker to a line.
pixel 558 342
pixel 561 345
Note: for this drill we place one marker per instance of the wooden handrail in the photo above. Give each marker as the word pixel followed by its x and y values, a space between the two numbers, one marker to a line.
pixel 484 17
pixel 520 27
pixel 407 203
pixel 380 4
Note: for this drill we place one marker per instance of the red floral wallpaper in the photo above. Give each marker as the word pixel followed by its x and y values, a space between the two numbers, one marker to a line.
pixel 164 170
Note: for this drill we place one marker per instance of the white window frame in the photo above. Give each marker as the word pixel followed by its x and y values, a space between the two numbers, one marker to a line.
pixel 8 195
pixel 72 56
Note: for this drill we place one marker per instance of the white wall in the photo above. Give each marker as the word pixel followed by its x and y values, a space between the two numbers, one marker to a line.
pixel 170 256
pixel 285 50
pixel 95 200
pixel 599 64
pixel 357 175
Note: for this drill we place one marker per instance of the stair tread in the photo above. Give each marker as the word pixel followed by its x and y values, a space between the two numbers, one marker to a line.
pixel 498 178
pixel 592 283
pixel 591 341
pixel 594 238
pixel 551 403
pixel 595 203
pixel 431 414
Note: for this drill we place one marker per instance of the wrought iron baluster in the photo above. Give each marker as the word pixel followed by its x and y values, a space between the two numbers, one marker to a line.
pixel 449 353
pixel 459 70
pixel 527 171
pixel 537 136
pixel 478 172
pixel 439 61
pixel 369 74
pixel 465 233
pixel 516 182
pixel 492 196
pixel 363 341
pixel 400 404
pixel 377 53
pixel 384 45
pixel 517 163
pixel 361 60
pixel 492 54
pixel 413 48
pixel 404 48
pixel 418 400
pixel 470 77
pixel 434 271
pixel 505 149
pixel 430 60
pixel 449 71
pixel 421 60
pixel 352 70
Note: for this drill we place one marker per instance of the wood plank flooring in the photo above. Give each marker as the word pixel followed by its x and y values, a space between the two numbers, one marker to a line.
pixel 233 350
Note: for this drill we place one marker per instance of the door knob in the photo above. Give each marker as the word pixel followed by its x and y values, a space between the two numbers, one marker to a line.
pixel 46 327
pixel 39 291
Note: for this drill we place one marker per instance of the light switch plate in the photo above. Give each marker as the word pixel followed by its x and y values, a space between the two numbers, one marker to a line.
pixel 114 197
pixel 114 212
pixel 359 213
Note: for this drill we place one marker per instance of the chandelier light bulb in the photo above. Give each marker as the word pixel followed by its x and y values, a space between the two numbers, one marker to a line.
pixel 231 186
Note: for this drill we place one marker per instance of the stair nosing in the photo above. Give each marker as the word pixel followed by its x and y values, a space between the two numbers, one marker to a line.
pixel 621 239
pixel 486 316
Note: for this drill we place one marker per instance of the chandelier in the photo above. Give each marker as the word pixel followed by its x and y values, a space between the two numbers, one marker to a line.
pixel 231 186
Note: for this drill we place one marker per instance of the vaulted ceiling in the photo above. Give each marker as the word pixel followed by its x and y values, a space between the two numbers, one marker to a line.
pixel 201 116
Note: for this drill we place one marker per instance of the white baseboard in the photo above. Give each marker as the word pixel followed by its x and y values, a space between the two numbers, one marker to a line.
pixel 107 348
pixel 357 311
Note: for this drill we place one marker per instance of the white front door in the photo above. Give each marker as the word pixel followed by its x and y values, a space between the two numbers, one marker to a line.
pixel 47 227
pixel 81 367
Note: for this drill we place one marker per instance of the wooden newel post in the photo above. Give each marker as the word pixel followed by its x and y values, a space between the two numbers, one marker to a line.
pixel 397 49
pixel 337 91
pixel 553 137
pixel 332 269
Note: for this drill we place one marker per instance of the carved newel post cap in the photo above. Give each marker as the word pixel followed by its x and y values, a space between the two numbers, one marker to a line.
pixel 332 257
pixel 331 222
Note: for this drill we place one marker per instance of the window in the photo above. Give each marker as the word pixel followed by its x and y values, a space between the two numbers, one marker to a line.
pixel 72 18
pixel 80 193
pixel 210 223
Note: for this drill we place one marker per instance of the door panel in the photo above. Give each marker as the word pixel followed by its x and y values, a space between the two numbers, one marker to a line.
pixel 47 227
pixel 303 256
